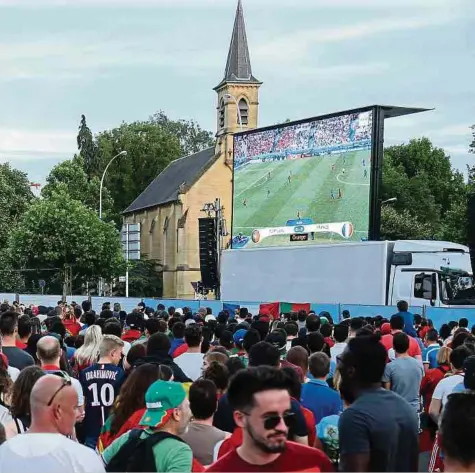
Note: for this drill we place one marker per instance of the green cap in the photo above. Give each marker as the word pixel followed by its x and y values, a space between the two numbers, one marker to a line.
pixel 160 400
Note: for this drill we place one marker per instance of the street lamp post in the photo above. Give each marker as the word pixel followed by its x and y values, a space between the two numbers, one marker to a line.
pixel 231 97
pixel 122 153
pixel 392 200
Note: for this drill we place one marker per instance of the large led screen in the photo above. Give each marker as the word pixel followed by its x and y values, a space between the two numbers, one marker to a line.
pixel 303 184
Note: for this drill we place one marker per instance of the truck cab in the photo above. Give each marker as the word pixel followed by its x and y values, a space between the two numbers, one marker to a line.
pixel 432 273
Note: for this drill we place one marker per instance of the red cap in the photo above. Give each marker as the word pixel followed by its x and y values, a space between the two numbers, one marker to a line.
pixel 385 329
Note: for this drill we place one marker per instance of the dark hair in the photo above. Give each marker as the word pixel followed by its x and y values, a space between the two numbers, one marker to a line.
pixel 432 335
pixel 8 322
pixel 315 342
pixel 418 319
pixel 366 330
pixel 158 342
pixel 294 383
pixel 473 330
pixel 463 322
pixel 312 323
pixel 457 427
pixel 234 364
pixel 250 339
pixel 218 373
pixel 226 339
pixel 24 326
pixel 453 324
pixel 340 333
pixel 346 314
pixel 162 326
pixel 459 339
pixel 90 318
pixel 298 356
pixel 178 329
pixel 5 380
pixel 251 381
pixel 193 335
pixel 152 326
pixel 135 353
pixel 319 365
pixel 20 402
pixel 326 330
pixel 402 306
pixel 397 322
pixel 106 314
pixel 400 343
pixel 203 397
pixel 112 327
pixel 262 327
pixel 131 397
pixel 301 315
pixel 264 354
pixel 368 356
pixel 291 328
pixel 458 356
pixel 445 331
pixel 356 323
pixel 59 329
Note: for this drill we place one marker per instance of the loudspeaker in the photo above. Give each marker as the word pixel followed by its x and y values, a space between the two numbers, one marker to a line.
pixel 208 252
pixel 471 226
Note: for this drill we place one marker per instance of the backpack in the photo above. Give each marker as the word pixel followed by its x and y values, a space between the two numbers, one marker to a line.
pixel 136 455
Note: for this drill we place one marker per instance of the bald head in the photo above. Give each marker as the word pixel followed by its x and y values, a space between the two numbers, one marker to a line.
pixel 48 350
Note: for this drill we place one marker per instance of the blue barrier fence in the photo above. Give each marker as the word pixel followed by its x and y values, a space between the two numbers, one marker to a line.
pixel 438 315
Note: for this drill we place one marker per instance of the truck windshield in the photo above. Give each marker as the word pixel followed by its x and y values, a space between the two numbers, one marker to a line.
pixel 457 288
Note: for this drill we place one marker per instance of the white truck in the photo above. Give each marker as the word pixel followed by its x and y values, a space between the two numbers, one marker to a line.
pixel 423 273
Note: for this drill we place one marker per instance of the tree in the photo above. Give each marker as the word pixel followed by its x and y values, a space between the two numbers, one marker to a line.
pixel 87 149
pixel 60 232
pixel 69 177
pixel 429 191
pixel 145 279
pixel 191 136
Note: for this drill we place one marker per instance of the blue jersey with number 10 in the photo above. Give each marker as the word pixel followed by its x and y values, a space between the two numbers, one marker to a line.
pixel 101 384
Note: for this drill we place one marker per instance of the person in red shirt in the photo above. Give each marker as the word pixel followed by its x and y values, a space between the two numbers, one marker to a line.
pixel 261 402
pixel 71 323
pixel 397 325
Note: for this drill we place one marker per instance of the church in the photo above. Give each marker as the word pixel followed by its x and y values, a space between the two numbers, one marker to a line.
pixel 169 208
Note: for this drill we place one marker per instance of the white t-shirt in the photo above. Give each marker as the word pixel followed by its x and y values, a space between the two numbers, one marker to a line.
pixel 13 372
pixel 191 364
pixel 446 386
pixel 337 349
pixel 48 453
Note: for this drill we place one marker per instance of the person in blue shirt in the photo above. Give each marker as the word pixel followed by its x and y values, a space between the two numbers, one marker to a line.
pixel 429 353
pixel 403 308
pixel 317 396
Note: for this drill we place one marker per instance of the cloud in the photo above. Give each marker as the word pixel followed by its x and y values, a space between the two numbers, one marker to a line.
pixel 16 142
pixel 457 130
pixel 334 72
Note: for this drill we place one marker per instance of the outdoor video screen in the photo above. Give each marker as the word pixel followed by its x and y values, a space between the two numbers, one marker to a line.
pixel 303 184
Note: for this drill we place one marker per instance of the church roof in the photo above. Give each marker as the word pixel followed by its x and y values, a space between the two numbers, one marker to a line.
pixel 182 172
pixel 238 65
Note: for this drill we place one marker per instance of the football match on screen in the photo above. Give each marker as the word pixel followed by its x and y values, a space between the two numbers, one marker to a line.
pixel 304 183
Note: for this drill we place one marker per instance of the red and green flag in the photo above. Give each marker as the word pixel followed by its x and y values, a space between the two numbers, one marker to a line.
pixel 274 309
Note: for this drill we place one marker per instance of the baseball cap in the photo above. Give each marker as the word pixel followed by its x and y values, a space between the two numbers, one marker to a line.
pixel 386 328
pixel 323 320
pixel 160 400
pixel 210 317
pixel 190 322
pixel 179 311
pixel 238 336
pixel 277 339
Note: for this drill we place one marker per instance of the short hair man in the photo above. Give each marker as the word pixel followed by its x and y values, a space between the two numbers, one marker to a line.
pixel 431 350
pixel 48 351
pixel 404 374
pixel 317 396
pixel 408 317
pixel 262 409
pixel 379 431
pixel 101 383
pixel 53 403
pixel 17 357
pixel 168 413
pixel 457 432
pixel 24 331
pixel 340 334
pixel 201 436
pixel 192 360
pixel 397 326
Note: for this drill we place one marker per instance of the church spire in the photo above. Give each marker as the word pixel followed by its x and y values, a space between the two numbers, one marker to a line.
pixel 238 65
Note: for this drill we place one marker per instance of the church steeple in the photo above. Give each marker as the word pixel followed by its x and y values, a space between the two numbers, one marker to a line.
pixel 238 65
pixel 238 92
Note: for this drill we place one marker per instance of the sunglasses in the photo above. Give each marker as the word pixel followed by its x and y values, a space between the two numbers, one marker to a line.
pixel 66 382
pixel 271 422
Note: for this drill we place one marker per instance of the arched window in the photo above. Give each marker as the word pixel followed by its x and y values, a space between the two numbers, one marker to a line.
pixel 222 110
pixel 244 110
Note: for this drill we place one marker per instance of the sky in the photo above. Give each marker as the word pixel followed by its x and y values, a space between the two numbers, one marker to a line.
pixel 123 60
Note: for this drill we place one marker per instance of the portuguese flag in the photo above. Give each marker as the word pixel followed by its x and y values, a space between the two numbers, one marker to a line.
pixel 274 309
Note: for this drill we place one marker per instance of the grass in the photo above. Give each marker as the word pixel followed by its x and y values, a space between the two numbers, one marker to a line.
pixel 308 193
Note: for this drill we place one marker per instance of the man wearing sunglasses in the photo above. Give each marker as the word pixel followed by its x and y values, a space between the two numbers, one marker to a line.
pixel 262 409
pixel 46 447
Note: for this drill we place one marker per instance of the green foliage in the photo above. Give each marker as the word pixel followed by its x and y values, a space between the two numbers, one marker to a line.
pixel 60 232
pixel 145 279
pixel 431 195
pixel 70 178
pixel 87 149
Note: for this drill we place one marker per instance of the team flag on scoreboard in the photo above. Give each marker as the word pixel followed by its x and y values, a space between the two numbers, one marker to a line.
pixel 274 309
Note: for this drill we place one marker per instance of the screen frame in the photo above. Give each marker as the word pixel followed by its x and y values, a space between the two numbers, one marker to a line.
pixel 376 177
